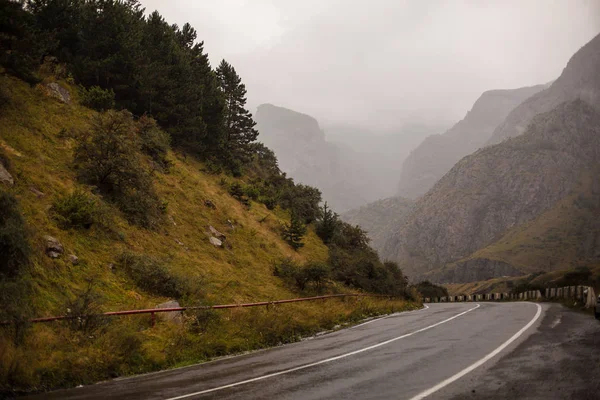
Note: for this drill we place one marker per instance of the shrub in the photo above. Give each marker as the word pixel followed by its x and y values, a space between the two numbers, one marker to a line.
pixel 301 276
pixel 97 98
pixel 155 142
pixel 85 308
pixel 14 242
pixel 150 275
pixel 75 210
pixel 108 156
pixel 428 289
pixel 294 232
pixel 15 306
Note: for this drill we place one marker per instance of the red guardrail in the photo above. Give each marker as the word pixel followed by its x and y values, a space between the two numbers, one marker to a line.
pixel 153 311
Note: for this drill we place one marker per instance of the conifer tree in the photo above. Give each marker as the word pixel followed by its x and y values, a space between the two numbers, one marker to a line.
pixel 327 224
pixel 294 232
pixel 238 122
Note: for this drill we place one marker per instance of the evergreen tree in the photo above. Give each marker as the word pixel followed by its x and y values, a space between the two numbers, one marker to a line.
pixel 238 122
pixel 294 232
pixel 327 224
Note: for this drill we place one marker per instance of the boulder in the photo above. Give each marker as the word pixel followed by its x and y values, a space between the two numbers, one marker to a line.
pixel 53 247
pixel 35 191
pixel 216 233
pixel 173 316
pixel 74 259
pixel 215 242
pixel 5 176
pixel 58 92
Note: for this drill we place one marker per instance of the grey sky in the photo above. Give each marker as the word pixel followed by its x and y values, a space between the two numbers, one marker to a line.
pixel 382 63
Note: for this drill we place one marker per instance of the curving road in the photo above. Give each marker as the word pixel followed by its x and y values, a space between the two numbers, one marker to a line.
pixel 434 353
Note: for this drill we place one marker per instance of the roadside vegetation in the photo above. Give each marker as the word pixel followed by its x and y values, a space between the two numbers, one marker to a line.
pixel 120 188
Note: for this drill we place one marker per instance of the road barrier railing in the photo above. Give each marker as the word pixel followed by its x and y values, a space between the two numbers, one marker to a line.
pixel 154 311
pixel 585 294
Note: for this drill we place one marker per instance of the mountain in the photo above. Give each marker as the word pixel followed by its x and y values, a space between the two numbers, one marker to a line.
pixel 579 79
pixel 438 153
pixel 351 166
pixel 379 218
pixel 475 221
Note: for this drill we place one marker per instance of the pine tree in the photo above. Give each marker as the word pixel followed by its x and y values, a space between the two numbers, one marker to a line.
pixel 327 224
pixel 294 232
pixel 238 122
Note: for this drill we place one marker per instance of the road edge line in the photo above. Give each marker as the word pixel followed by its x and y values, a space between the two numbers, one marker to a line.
pixel 481 361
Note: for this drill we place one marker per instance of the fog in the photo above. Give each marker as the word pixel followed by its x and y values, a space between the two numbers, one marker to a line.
pixel 384 63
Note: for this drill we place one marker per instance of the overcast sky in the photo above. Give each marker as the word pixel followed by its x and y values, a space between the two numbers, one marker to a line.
pixel 383 63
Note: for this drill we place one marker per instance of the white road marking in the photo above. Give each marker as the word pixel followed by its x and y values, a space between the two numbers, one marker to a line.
pixel 425 307
pixel 465 371
pixel 327 360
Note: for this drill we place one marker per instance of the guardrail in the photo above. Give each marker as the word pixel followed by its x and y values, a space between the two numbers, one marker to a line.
pixel 153 311
pixel 583 293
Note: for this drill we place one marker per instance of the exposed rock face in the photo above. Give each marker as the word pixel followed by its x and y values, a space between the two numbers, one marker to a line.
pixel 498 188
pixel 438 153
pixel 579 80
pixel 54 248
pixel 58 92
pixel 347 177
pixel 380 218
pixel 5 176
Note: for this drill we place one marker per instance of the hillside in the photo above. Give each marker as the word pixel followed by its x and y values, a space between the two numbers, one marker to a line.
pixel 501 188
pixel 579 80
pixel 438 153
pixel 380 218
pixel 38 136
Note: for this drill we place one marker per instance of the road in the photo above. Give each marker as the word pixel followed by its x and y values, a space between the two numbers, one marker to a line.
pixel 451 350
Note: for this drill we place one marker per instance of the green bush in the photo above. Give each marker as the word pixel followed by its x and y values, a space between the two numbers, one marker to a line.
pixel 302 276
pixel 97 98
pixel 252 192
pixel 75 210
pixel 109 157
pixel 14 241
pixel 85 307
pixel 151 275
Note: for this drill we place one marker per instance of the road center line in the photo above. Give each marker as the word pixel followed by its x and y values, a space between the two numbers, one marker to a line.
pixel 327 360
pixel 470 368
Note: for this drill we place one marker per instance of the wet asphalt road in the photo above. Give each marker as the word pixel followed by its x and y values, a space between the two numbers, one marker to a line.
pixel 398 357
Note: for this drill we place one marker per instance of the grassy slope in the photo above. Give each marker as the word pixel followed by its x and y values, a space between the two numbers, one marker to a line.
pixel 34 132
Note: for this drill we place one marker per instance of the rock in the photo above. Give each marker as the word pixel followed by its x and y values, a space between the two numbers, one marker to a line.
pixel 216 233
pixel 231 224
pixel 174 316
pixel 53 247
pixel 74 259
pixel 215 242
pixel 210 204
pixel 36 192
pixel 58 92
pixel 5 176
pixel 179 242
pixel 172 220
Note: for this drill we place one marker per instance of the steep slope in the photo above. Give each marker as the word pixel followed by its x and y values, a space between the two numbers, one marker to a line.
pixel 37 139
pixel 438 153
pixel 379 218
pixel 579 79
pixel 499 188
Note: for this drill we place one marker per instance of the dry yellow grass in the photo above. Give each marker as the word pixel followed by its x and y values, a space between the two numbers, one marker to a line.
pixel 36 133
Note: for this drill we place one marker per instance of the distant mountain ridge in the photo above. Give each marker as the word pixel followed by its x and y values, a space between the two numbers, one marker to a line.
pixel 348 177
pixel 438 153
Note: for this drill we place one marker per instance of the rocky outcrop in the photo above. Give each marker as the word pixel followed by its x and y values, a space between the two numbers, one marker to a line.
pixel 59 92
pixel 175 317
pixel 54 248
pixel 380 218
pixel 579 80
pixel 438 153
pixel 498 188
pixel 5 176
